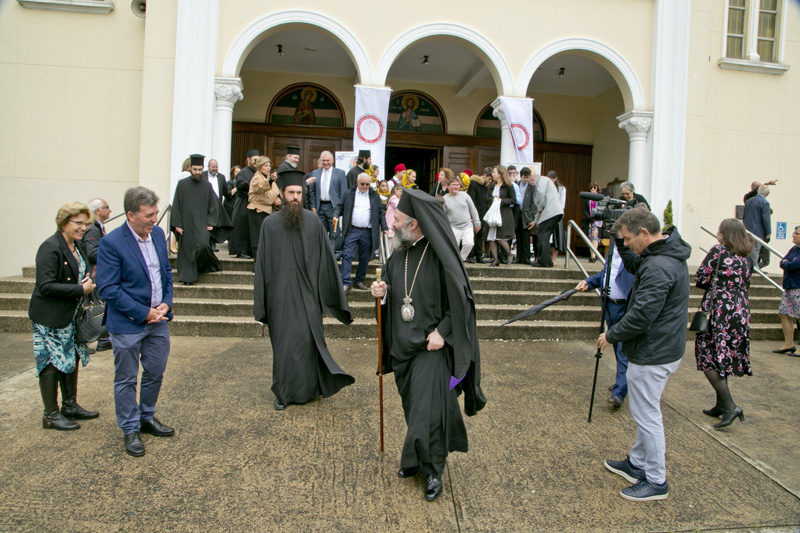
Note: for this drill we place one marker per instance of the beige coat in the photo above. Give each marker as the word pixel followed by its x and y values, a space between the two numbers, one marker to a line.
pixel 262 194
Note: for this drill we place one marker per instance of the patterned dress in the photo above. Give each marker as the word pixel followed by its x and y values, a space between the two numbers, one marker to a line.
pixel 57 346
pixel 726 347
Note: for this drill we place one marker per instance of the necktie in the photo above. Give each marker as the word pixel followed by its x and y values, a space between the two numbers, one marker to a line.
pixel 324 186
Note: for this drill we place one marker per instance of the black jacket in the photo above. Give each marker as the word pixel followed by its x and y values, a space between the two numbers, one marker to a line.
pixel 91 239
pixel 653 330
pixel 58 290
pixel 377 215
pixel 528 211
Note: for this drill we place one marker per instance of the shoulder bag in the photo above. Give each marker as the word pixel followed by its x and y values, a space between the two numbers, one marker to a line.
pixel 89 323
pixel 700 322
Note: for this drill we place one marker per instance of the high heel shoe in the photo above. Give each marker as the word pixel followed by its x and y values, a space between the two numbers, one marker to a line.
pixel 786 350
pixel 495 263
pixel 716 411
pixel 729 416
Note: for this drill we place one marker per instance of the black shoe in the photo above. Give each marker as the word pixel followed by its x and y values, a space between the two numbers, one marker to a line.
pixel 187 284
pixel 625 469
pixel 278 405
pixel 154 427
pixel 786 350
pixel 90 350
pixel 76 412
pixel 479 260
pixel 103 346
pixel 408 472
pixel 470 259
pixel 214 247
pixel 56 420
pixel 539 265
pixel 433 487
pixel 69 391
pixel 615 401
pixel 346 289
pixel 715 411
pixel 360 286
pixel 610 388
pixel 133 444
pixel 244 256
pixel 729 416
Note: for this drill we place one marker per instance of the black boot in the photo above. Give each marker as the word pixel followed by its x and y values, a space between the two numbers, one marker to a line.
pixel 69 390
pixel 48 386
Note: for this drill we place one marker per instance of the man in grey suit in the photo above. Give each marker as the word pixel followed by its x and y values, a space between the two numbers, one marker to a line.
pixel 328 190
pixel 756 218
pixel 548 213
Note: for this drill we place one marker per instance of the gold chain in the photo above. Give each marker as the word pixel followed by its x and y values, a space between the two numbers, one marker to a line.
pixel 405 277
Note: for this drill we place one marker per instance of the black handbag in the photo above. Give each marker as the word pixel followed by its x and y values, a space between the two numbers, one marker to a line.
pixel 700 322
pixel 89 323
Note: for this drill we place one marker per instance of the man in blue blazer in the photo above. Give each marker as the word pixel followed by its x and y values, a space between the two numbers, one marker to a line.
pixel 620 282
pixel 134 278
pixel 756 218
pixel 327 191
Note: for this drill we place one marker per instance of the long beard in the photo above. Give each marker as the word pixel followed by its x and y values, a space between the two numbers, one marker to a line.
pixel 291 163
pixel 293 215
pixel 403 238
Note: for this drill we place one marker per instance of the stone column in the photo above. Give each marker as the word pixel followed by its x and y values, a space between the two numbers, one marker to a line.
pixel 637 124
pixel 508 153
pixel 227 91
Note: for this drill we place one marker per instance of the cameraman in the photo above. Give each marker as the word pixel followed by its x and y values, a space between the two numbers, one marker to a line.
pixel 629 195
pixel 653 336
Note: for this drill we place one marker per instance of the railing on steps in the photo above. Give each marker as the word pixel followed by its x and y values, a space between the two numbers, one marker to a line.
pixel 571 224
pixel 755 267
pixel 167 232
pixel 384 250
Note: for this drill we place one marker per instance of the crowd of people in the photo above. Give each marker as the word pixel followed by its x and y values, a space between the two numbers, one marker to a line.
pixel 429 335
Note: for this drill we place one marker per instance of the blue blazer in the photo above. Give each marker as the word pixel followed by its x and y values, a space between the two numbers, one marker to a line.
pixel 337 189
pixel 624 278
pixel 756 216
pixel 123 280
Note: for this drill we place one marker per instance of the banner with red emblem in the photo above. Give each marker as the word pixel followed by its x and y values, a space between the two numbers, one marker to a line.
pixel 369 127
pixel 519 114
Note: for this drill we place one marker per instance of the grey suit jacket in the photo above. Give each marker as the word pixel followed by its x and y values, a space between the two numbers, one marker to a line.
pixel 547 200
pixel 337 188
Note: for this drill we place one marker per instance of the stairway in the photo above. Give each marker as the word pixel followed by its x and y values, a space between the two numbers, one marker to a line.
pixel 221 304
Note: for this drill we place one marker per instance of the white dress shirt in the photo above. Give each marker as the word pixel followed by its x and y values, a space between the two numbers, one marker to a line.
pixel 361 210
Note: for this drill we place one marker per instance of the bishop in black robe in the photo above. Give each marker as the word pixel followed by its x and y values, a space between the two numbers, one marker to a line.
pixel 297 280
pixel 429 382
pixel 195 208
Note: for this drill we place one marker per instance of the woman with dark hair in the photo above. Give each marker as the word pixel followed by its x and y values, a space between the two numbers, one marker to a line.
pixel 558 243
pixel 62 278
pixel 789 309
pixel 725 349
pixel 229 198
pixel 591 227
pixel 501 190
pixel 442 179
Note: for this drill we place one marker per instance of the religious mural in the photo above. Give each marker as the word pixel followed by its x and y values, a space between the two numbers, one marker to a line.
pixel 305 104
pixel 488 125
pixel 415 111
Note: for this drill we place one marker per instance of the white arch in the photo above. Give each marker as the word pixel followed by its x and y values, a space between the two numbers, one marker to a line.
pixel 498 63
pixel 245 42
pixel 632 94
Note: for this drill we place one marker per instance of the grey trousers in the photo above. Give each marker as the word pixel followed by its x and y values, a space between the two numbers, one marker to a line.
pixel 645 385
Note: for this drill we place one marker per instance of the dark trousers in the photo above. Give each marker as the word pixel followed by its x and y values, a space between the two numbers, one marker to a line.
pixel 523 243
pixel 325 214
pixel 614 313
pixel 363 239
pixel 546 229
pixel 151 346
pixel 477 250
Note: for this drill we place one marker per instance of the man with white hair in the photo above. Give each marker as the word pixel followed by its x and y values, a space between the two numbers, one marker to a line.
pixel 328 190
pixel 101 212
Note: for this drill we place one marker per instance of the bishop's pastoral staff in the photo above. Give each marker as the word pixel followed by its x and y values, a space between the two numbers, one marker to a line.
pixel 296 281
pixel 430 337
pixel 197 215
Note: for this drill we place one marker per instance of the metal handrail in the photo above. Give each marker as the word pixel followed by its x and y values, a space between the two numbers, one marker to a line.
pixel 115 217
pixel 755 267
pixel 571 224
pixel 168 233
pixel 384 250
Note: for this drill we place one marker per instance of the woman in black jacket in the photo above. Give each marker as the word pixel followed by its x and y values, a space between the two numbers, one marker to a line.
pixel 62 278
pixel 501 190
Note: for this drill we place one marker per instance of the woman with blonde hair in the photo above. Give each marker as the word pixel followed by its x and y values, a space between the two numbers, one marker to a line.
pixel 62 278
pixel 263 198
pixel 725 349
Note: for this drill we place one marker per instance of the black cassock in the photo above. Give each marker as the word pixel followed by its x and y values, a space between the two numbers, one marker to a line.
pixel 431 408
pixel 194 208
pixel 296 281
pixel 239 243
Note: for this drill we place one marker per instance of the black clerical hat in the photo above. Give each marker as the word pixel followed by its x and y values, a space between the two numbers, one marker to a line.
pixel 364 154
pixel 406 205
pixel 290 177
pixel 292 150
pixel 252 153
pixel 197 160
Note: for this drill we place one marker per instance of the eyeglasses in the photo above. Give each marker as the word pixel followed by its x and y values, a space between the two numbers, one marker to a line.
pixel 363 184
pixel 80 224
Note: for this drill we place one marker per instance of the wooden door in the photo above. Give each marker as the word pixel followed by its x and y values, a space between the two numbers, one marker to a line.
pixel 458 158
pixel 574 173
pixel 486 157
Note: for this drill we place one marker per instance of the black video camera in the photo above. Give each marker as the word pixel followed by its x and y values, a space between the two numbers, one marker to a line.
pixel 608 209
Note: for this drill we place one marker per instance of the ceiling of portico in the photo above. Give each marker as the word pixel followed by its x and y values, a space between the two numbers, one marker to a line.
pixel 311 51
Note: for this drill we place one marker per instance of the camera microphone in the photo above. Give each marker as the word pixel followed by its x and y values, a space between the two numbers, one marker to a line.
pixel 591 196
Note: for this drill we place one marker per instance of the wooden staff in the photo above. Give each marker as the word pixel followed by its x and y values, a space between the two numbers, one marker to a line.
pixel 380 356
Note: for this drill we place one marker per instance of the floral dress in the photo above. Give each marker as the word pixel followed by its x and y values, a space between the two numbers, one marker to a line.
pixel 57 346
pixel 726 347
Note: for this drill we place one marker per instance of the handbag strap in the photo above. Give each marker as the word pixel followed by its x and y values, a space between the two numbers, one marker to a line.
pixel 714 278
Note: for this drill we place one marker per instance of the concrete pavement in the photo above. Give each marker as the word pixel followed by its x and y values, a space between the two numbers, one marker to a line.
pixel 534 463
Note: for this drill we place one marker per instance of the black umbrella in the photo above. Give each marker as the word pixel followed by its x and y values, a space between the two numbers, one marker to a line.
pixel 564 295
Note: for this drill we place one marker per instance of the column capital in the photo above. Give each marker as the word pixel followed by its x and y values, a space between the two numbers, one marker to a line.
pixel 636 123
pixel 228 90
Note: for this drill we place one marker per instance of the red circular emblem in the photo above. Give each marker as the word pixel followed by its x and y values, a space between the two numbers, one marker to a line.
pixel 521 136
pixel 369 129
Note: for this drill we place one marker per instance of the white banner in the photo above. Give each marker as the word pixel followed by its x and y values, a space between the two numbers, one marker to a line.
pixel 369 127
pixel 519 115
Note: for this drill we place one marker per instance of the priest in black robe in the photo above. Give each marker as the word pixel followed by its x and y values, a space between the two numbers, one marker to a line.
pixel 297 280
pixel 362 164
pixel 196 216
pixel 239 243
pixel 430 337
